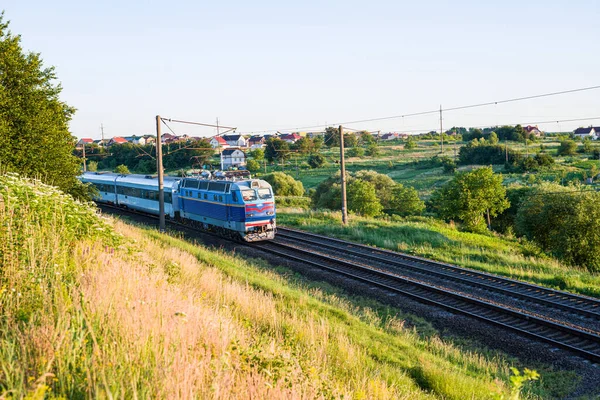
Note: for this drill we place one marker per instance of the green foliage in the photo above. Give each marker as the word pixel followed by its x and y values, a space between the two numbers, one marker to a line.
pixel 448 164
pixel 318 143
pixel 350 140
pixel 316 160
pixel 410 144
pixel 92 166
pixel 366 139
pixel 257 154
pixel 332 137
pixel 284 185
pixel 405 201
pixel 493 138
pixel 482 153
pixel 567 148
pixel 505 222
pixel 277 150
pixel 362 198
pixel 34 122
pixel 518 381
pixel 253 166
pixel 372 150
pixel 470 196
pixel 383 185
pixel 564 221
pixel 535 163
pixel 355 152
pixel 303 146
pixel 122 170
pixel 587 146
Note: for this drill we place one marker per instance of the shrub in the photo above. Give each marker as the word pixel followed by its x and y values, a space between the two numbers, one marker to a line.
pixel 362 198
pixel 253 166
pixel 410 144
pixel 284 185
pixel 476 152
pixel 122 169
pixel 355 152
pixel 372 150
pixel 405 201
pixel 567 148
pixel 316 160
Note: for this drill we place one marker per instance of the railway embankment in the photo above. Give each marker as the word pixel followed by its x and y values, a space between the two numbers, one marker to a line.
pixel 98 308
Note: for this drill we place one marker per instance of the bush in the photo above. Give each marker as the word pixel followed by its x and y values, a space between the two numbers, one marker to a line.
pixel 372 150
pixel 355 152
pixel 362 198
pixel 405 201
pixel 448 164
pixel 316 160
pixel 122 170
pixel 253 166
pixel 284 185
pixel 410 144
pixel 567 148
pixel 564 222
pixel 476 152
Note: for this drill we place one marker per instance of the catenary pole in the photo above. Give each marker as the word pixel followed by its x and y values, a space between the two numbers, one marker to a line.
pixel 84 163
pixel 441 130
pixel 343 171
pixel 159 169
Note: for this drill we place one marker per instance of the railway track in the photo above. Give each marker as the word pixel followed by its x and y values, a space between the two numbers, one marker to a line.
pixel 320 252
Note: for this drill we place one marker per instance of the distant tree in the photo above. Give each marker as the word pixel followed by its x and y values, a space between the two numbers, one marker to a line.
pixel 366 139
pixel 277 150
pixel 362 198
pixel 303 146
pixel 405 201
pixel 587 145
pixel 567 148
pixel 493 138
pixel 350 140
pixel 257 154
pixel 92 166
pixel 471 197
pixel 355 152
pixel 372 150
pixel 410 144
pixel 122 170
pixel 253 165
pixel 332 137
pixel 284 185
pixel 34 122
pixel 316 160
pixel 317 143
pixel 448 164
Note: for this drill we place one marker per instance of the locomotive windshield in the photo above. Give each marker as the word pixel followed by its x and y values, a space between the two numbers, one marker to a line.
pixel 264 194
pixel 248 195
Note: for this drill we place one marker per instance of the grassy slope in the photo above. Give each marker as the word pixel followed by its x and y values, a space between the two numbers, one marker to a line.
pixel 437 240
pixel 159 317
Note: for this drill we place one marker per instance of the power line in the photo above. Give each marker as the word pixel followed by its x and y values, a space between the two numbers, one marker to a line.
pixel 489 103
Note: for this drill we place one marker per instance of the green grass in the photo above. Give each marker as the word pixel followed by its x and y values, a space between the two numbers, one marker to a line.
pixel 431 238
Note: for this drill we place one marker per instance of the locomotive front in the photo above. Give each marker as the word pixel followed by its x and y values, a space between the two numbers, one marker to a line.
pixel 259 209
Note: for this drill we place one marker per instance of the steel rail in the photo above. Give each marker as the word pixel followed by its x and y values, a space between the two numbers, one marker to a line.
pixel 576 304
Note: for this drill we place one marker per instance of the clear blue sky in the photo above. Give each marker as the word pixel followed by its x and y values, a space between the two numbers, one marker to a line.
pixel 271 65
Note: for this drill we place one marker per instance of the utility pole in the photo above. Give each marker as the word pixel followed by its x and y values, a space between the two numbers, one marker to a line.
pixel 84 164
pixel 441 130
pixel 159 168
pixel 217 126
pixel 102 130
pixel 506 148
pixel 343 170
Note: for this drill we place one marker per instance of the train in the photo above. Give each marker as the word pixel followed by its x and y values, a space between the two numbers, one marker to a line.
pixel 229 203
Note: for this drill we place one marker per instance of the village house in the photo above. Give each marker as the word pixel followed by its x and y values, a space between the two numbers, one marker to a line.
pixel 218 141
pixel 168 138
pixel 256 142
pixel 135 139
pixel 116 140
pixel 232 158
pixel 533 130
pixel 84 141
pixel 590 132
pixel 390 136
pixel 101 142
pixel 235 140
pixel 290 137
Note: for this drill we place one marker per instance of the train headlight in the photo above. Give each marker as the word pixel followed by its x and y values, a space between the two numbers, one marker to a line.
pixel 250 215
pixel 269 212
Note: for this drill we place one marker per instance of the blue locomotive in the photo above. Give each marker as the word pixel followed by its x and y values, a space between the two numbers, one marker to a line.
pixel 232 205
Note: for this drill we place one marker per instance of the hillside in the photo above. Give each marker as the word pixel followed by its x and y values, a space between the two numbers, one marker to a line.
pixel 96 308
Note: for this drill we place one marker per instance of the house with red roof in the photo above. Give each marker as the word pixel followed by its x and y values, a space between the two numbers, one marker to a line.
pixel 84 141
pixel 290 137
pixel 533 130
pixel 117 140
pixel 218 141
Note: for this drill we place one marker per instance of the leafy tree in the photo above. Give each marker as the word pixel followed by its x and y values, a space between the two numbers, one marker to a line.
pixel 92 166
pixel 317 143
pixel 350 140
pixel 563 221
pixel 567 148
pixel 493 138
pixel 362 198
pixel 122 170
pixel 34 122
pixel 284 185
pixel 366 139
pixel 304 145
pixel 257 154
pixel 448 164
pixel 253 165
pixel 277 150
pixel 587 145
pixel 316 160
pixel 332 137
pixel 372 150
pixel 355 152
pixel 470 197
pixel 383 185
pixel 410 144
pixel 405 201
pixel 480 152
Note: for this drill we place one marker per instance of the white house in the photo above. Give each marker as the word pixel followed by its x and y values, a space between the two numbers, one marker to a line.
pixel 235 140
pixel 586 132
pixel 232 158
pixel 218 141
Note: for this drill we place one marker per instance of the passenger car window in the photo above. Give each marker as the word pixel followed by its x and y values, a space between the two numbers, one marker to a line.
pixel 264 194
